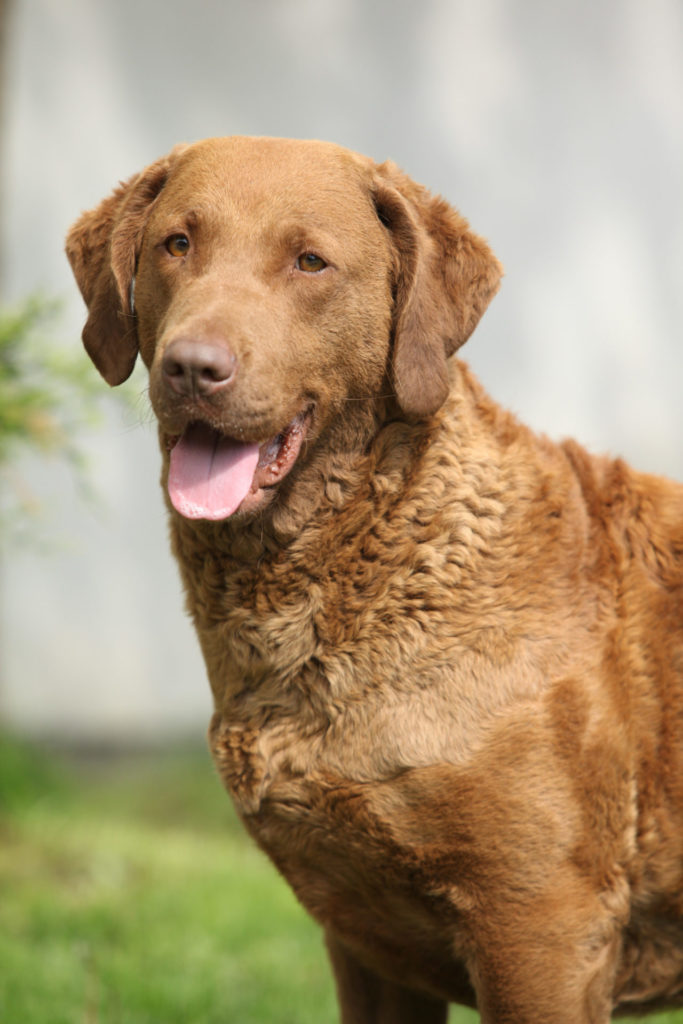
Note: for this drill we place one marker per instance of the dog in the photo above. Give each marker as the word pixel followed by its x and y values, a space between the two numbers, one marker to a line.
pixel 446 654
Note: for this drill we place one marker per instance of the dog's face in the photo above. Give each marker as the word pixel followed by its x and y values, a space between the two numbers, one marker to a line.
pixel 263 300
pixel 278 286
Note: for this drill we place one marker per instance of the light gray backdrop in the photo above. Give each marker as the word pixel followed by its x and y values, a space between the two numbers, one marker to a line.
pixel 557 128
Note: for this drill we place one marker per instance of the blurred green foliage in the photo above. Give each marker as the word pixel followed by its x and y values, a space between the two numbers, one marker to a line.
pixel 50 396
pixel 45 391
pixel 27 775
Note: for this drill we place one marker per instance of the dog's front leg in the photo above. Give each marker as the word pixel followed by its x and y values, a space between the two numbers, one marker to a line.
pixel 365 998
pixel 546 981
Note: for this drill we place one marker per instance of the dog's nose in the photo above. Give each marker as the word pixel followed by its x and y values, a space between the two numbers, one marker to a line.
pixel 198 369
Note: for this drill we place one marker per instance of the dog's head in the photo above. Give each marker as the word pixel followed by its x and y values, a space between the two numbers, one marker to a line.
pixel 271 286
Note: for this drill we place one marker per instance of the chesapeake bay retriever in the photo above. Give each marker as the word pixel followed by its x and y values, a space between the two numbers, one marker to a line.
pixel 446 654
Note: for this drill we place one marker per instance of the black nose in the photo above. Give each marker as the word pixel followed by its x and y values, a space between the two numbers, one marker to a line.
pixel 198 369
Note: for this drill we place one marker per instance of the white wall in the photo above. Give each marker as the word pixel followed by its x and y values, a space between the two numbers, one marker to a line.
pixel 557 128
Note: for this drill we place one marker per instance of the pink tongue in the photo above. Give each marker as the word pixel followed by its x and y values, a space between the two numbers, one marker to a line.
pixel 210 475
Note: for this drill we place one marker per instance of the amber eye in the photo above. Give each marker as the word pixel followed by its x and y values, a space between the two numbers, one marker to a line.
pixel 311 263
pixel 177 245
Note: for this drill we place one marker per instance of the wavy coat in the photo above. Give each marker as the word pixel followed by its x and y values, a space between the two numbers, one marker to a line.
pixel 446 654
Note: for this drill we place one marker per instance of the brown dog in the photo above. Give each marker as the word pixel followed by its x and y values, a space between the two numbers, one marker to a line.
pixel 446 654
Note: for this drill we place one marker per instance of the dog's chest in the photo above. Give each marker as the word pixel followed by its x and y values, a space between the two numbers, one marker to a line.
pixel 327 833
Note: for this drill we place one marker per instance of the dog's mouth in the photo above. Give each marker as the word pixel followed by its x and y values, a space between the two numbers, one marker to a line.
pixel 211 475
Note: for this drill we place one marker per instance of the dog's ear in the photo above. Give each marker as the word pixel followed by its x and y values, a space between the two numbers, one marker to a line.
pixel 445 277
pixel 102 248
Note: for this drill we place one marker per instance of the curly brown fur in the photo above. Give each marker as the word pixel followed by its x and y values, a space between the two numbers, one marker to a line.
pixel 446 654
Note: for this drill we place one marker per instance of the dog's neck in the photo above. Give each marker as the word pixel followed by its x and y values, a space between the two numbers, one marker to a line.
pixel 321 501
pixel 265 592
pixel 360 467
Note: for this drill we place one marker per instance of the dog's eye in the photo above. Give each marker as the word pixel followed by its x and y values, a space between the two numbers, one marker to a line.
pixel 310 263
pixel 177 245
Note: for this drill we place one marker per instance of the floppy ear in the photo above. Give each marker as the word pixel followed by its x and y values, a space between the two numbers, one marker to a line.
pixel 102 248
pixel 445 277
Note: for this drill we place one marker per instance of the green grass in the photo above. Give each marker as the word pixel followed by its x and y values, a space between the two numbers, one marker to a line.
pixel 129 894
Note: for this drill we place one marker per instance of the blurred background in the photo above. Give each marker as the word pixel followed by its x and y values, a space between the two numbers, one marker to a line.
pixel 556 128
